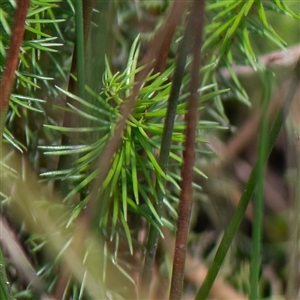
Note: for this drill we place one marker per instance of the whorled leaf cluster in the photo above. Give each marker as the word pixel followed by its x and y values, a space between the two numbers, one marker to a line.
pixel 130 183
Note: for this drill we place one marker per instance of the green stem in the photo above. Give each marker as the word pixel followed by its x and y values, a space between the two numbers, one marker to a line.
pixel 259 195
pixel 245 198
pixel 83 20
pixel 80 58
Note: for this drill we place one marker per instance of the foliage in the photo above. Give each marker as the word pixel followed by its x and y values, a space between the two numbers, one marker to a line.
pixel 68 155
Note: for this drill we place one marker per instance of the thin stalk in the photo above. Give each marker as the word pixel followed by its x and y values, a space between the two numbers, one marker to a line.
pixel 80 58
pixel 185 199
pixel 163 159
pixel 98 46
pixel 83 17
pixel 71 120
pixel 8 76
pixel 259 195
pixel 246 196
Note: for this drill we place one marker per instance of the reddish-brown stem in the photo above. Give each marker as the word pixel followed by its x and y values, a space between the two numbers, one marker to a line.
pixel 185 201
pixel 8 76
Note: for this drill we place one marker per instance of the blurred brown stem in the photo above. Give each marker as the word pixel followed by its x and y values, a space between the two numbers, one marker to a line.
pixel 19 259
